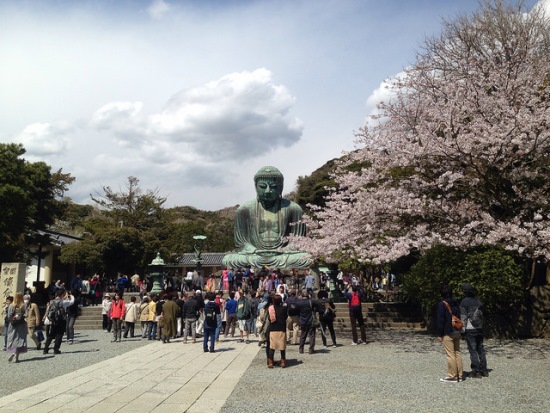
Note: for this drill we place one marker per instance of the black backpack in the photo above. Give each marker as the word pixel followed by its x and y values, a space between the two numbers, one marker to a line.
pixel 475 318
pixel 210 315
pixel 56 312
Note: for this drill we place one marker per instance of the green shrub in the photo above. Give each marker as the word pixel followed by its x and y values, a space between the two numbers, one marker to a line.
pixel 491 270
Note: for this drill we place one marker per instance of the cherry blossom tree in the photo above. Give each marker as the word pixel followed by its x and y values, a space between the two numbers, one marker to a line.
pixel 459 155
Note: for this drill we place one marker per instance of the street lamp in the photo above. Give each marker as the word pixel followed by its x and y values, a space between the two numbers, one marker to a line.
pixel 198 252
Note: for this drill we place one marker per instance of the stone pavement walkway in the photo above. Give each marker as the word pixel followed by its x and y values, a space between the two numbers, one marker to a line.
pixel 154 378
pixel 397 371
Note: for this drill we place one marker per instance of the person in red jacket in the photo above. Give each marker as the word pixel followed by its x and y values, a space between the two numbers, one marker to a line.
pixel 118 311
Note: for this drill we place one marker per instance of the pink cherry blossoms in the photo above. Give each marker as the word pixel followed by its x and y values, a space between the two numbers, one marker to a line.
pixel 458 155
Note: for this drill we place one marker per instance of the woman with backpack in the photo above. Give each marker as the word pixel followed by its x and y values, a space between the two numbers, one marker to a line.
pixel 449 335
pixel 471 314
pixel 17 329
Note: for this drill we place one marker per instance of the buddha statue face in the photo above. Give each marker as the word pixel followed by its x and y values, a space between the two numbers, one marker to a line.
pixel 269 185
pixel 268 190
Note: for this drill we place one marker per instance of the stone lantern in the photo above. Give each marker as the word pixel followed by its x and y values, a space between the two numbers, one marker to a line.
pixel 157 271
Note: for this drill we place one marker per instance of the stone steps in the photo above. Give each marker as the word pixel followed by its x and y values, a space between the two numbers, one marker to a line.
pixel 90 318
pixel 377 315
pixel 382 315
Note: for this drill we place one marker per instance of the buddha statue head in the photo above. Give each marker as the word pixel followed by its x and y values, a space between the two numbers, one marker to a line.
pixel 269 185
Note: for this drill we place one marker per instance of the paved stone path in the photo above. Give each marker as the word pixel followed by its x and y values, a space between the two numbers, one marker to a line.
pixel 153 378
pixel 396 371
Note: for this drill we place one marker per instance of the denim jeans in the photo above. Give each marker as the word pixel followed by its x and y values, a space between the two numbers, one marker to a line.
pixel 144 328
pixel 478 361
pixel 251 324
pixel 70 327
pixel 209 335
pixel 6 327
pixel 218 327
pixel 152 331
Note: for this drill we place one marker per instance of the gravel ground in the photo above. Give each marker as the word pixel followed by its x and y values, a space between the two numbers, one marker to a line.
pixel 397 371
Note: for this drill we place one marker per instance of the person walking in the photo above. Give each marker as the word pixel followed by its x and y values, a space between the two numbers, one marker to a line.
pixel 7 303
pixel 32 317
pixel 57 314
pixel 471 314
pixel 17 329
pixel 449 336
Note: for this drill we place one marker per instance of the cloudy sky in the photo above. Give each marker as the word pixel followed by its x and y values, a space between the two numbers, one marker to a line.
pixel 192 97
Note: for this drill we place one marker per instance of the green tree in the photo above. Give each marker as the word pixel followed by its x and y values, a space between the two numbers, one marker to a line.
pixel 29 195
pixel 495 274
pixel 132 208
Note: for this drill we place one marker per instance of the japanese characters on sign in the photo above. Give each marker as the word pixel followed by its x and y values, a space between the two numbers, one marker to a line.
pixel 12 278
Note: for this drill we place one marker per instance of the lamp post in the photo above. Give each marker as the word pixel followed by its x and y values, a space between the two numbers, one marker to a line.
pixel 198 252
pixel 157 267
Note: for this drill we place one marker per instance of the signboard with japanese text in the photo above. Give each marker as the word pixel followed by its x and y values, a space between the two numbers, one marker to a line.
pixel 12 278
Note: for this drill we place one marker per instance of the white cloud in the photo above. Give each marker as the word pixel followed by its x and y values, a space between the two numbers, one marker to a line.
pixel 43 139
pixel 214 121
pixel 383 93
pixel 124 119
pixel 545 6
pixel 158 9
pixel 110 68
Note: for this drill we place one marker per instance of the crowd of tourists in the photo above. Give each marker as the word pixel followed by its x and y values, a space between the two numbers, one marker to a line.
pixel 277 311
pixel 215 315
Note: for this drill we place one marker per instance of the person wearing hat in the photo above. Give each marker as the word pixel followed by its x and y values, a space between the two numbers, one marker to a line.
pixel 105 311
pixel 471 314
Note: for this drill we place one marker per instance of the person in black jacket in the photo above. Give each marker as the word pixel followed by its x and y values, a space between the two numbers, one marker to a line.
pixel 190 315
pixel 211 313
pixel 327 317
pixel 307 308
pixel 450 337
pixel 472 317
